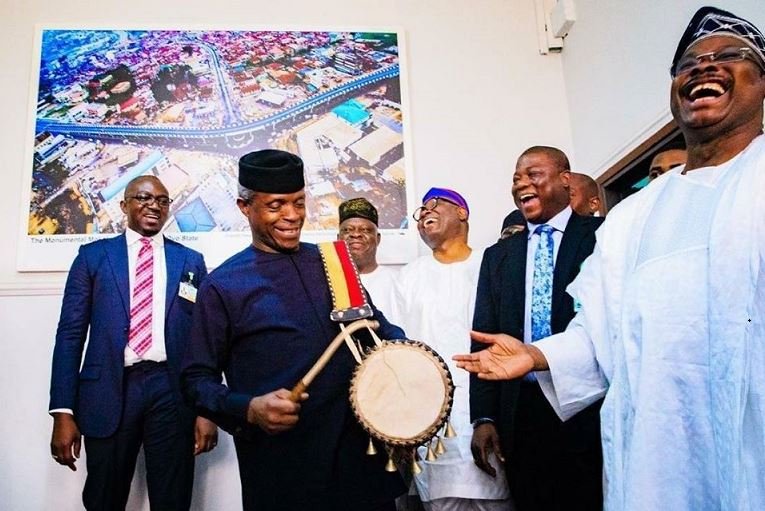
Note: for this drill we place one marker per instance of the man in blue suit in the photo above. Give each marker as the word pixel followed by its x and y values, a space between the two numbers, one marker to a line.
pixel 263 319
pixel 134 294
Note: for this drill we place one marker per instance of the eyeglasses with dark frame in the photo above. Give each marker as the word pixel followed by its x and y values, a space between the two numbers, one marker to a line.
pixel 145 199
pixel 726 55
pixel 430 206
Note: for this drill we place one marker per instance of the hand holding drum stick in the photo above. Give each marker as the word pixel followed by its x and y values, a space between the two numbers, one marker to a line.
pixel 343 336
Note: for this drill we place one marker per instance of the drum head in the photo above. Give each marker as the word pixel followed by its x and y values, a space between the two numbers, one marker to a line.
pixel 402 393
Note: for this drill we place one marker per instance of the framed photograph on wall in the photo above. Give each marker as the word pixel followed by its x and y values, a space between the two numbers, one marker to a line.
pixel 184 105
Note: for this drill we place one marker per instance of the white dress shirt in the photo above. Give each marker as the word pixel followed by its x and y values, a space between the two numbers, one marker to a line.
pixel 157 351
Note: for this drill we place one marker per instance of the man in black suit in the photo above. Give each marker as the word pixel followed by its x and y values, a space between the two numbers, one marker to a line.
pixel 550 465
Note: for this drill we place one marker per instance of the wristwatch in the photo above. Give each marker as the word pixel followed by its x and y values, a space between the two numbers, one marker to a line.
pixel 482 420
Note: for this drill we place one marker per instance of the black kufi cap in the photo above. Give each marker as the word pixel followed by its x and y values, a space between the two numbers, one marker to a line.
pixel 514 218
pixel 357 208
pixel 271 171
pixel 709 21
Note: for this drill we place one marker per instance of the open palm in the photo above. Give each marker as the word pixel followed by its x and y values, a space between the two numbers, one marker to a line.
pixel 505 358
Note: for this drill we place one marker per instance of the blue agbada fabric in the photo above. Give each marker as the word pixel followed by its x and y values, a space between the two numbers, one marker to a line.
pixel 262 319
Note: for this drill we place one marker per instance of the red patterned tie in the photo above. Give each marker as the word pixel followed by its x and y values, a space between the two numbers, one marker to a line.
pixel 139 339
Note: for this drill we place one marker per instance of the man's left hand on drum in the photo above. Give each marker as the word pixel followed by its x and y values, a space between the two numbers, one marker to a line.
pixel 274 412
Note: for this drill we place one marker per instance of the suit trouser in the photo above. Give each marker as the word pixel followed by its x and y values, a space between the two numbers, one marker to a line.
pixel 554 465
pixel 151 416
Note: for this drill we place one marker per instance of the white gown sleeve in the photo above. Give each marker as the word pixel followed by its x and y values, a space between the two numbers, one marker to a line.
pixel 574 380
pixel 579 358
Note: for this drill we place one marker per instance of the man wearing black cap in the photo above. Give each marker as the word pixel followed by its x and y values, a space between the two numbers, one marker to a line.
pixel 263 319
pixel 358 228
pixel 672 322
pixel 512 224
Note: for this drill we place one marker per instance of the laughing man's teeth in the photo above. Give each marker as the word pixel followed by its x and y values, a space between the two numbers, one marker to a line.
pixel 715 88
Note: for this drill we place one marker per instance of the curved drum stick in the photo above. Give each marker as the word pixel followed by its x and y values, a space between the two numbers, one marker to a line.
pixel 303 384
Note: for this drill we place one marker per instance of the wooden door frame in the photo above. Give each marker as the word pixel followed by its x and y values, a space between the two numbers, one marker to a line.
pixel 636 156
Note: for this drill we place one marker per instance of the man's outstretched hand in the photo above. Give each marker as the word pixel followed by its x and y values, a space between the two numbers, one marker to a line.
pixel 506 358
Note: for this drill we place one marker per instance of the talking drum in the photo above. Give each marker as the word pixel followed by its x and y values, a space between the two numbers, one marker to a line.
pixel 402 393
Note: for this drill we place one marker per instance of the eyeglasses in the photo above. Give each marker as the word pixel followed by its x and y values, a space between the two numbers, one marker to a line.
pixel 724 56
pixel 430 206
pixel 144 199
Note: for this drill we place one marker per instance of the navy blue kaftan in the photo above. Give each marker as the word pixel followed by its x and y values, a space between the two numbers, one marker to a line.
pixel 262 320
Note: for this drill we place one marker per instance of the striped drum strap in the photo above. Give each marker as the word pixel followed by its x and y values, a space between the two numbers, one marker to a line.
pixel 349 302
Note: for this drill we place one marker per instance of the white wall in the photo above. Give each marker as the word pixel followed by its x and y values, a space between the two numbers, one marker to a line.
pixel 616 63
pixel 479 94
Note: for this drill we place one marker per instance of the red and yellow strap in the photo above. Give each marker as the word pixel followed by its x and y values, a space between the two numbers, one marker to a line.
pixel 349 302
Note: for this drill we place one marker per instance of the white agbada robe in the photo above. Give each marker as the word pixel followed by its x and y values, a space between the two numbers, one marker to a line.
pixel 379 284
pixel 671 330
pixel 434 302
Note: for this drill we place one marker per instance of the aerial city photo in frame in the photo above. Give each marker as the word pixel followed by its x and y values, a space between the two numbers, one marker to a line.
pixel 184 105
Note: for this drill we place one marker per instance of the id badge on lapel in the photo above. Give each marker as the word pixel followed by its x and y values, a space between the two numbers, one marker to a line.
pixel 187 290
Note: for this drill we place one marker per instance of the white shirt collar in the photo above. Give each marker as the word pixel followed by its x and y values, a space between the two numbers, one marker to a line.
pixel 558 222
pixel 132 237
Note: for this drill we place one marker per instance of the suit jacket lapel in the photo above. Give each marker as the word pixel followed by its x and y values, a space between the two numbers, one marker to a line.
pixel 516 264
pixel 117 255
pixel 174 259
pixel 566 260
